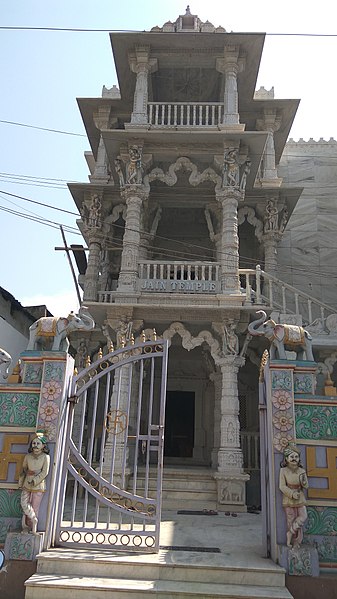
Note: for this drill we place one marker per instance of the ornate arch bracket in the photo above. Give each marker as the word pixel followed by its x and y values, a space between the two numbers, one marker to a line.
pixel 189 342
pixel 183 163
pixel 247 213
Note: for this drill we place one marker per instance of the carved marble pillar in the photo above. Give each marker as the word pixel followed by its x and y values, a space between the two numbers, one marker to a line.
pixel 141 64
pixel 215 377
pixel 230 65
pixel 270 122
pixel 228 244
pixel 270 241
pixel 93 268
pixel 134 196
pixel 230 476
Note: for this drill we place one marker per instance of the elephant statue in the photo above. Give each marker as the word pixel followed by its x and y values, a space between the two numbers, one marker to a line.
pixel 52 332
pixel 5 362
pixel 282 337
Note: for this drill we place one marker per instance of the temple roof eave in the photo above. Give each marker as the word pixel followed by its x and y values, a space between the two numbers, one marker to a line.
pixel 168 48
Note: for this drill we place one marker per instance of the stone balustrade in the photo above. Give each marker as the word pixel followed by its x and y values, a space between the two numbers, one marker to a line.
pixel 185 114
pixel 260 289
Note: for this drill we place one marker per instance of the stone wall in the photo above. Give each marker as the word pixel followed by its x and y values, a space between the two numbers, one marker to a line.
pixel 309 242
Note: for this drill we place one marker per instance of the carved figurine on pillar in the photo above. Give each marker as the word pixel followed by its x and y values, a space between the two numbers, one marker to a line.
pixel 230 341
pixel 230 169
pixel 32 481
pixel 119 171
pixel 271 216
pixel 134 166
pixel 245 173
pixel 124 333
pixel 94 219
pixel 293 480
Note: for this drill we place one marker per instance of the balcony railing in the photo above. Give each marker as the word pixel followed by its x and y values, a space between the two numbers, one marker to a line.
pixel 260 288
pixel 179 277
pixel 185 114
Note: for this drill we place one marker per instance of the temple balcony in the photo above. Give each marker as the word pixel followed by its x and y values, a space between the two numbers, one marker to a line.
pixel 258 289
pixel 185 114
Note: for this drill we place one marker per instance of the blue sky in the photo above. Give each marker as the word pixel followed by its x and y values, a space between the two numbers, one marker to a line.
pixel 42 73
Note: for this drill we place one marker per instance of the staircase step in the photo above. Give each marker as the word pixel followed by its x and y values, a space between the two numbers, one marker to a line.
pixel 47 587
pixel 184 566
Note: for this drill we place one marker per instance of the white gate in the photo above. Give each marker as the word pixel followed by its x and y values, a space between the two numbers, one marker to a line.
pixel 110 488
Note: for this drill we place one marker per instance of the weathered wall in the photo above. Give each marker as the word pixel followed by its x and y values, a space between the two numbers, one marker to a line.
pixel 309 243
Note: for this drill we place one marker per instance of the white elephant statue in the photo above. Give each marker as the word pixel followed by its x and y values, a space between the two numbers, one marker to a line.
pixel 5 362
pixel 283 337
pixel 52 332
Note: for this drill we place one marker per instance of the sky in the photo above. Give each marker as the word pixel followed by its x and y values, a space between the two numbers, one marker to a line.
pixel 43 72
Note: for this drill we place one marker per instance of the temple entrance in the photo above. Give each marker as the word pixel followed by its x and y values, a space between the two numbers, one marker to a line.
pixel 179 424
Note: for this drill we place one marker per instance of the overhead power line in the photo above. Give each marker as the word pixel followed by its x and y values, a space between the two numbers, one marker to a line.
pixel 84 30
pixel 42 128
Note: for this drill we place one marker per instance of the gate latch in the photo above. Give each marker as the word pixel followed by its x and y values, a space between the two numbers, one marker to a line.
pixel 73 399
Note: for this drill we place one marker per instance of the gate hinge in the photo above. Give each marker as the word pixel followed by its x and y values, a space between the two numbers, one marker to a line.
pixel 73 399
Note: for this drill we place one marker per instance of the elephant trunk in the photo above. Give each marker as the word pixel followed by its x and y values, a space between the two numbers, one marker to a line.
pixel 252 327
pixel 88 321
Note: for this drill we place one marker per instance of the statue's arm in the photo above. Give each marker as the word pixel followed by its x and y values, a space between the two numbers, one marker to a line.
pixel 44 471
pixel 284 487
pixel 23 472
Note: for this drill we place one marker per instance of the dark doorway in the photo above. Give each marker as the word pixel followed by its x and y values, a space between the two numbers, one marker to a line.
pixel 179 424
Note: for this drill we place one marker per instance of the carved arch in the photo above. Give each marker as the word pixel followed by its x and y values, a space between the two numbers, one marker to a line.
pixel 119 210
pixel 195 178
pixel 189 342
pixel 248 213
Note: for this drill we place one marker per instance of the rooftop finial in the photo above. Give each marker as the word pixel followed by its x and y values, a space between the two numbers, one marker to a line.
pixel 188 11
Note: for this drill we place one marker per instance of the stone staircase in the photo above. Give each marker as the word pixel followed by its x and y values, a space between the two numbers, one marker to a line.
pixel 185 488
pixel 95 575
pixel 201 557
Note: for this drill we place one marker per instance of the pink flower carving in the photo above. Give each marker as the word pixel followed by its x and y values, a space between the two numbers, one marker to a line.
pixel 283 421
pixel 51 390
pixel 282 440
pixel 281 399
pixel 49 411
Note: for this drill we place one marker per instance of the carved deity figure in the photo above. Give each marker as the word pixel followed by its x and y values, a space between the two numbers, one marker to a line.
pixel 293 480
pixel 94 218
pixel 32 481
pixel 245 173
pixel 124 332
pixel 134 166
pixel 119 171
pixel 230 169
pixel 231 341
pixel 81 355
pixel 271 216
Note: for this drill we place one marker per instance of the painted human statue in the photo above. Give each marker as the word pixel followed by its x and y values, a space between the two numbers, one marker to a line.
pixel 32 481
pixel 293 480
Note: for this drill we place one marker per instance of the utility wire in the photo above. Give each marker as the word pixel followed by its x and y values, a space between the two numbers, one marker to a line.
pixel 171 254
pixel 84 30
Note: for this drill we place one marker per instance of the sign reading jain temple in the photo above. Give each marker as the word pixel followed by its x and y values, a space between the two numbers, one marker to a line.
pixel 174 286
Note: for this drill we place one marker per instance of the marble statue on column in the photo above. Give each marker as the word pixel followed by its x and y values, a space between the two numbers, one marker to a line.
pixel 245 173
pixel 35 470
pixel 134 166
pixel 231 341
pixel 293 480
pixel 231 169
pixel 119 171
pixel 271 216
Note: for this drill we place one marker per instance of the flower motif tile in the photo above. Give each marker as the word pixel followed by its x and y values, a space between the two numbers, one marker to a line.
pixel 283 421
pixel 281 399
pixel 303 383
pixel 281 440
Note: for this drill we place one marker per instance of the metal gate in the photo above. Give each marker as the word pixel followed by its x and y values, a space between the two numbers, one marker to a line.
pixel 110 488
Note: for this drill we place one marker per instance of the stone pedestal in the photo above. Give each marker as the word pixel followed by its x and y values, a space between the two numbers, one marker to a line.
pixel 21 546
pixel 302 561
